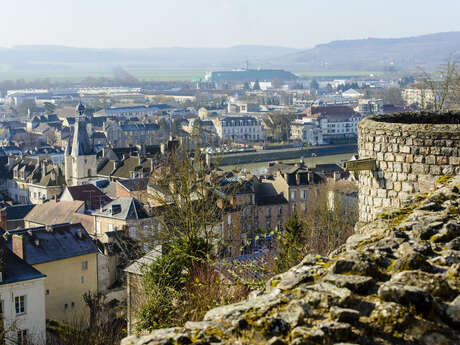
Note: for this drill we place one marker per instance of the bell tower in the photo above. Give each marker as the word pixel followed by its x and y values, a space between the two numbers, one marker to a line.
pixel 80 160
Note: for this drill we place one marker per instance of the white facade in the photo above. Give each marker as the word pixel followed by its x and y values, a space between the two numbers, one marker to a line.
pixel 340 128
pixel 370 107
pixel 420 97
pixel 336 127
pixel 307 132
pixel 239 128
pixel 79 169
pixel 23 307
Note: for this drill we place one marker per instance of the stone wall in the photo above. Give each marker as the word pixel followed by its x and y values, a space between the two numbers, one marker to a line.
pixel 409 148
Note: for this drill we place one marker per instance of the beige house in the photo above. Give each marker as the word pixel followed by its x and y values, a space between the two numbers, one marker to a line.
pixel 295 182
pixel 67 256
pixel 35 181
pixel 122 214
pixel 251 211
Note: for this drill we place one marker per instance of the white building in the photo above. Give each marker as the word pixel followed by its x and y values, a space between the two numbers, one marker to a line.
pixel 352 93
pixel 239 128
pixel 370 106
pixel 22 301
pixel 419 97
pixel 307 132
pixel 334 121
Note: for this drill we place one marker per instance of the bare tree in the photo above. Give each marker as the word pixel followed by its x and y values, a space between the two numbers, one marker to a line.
pixel 441 91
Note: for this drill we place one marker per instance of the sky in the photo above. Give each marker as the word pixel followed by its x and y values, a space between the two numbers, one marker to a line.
pixel 218 23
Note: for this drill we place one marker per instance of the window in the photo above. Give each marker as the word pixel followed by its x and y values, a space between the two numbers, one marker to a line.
pixel 82 279
pixel 293 195
pixel 22 337
pixel 20 304
pixel 98 227
pixel 229 219
pixel 132 232
pixel 110 227
pixel 303 195
pixel 84 265
pixel 1 307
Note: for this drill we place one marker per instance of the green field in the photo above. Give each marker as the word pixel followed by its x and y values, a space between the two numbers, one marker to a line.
pixel 345 74
pixel 77 72
pixel 308 161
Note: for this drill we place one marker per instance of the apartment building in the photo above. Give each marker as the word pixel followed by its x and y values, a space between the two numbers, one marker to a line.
pixel 239 129
pixel 67 256
pixel 307 132
pixel 22 300
pixel 334 121
pixel 35 180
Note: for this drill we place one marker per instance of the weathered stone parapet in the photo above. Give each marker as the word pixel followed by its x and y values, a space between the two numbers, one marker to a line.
pixel 408 148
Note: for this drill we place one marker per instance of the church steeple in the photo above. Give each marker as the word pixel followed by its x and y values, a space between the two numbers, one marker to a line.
pixel 81 145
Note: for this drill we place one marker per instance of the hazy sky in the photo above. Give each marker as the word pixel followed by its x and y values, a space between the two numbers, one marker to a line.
pixel 212 23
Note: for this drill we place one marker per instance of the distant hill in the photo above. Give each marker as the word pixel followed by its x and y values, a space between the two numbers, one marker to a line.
pixel 26 59
pixel 375 54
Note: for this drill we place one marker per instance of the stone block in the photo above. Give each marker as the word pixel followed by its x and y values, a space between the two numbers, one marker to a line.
pixel 418 168
pixel 382 193
pixel 389 157
pixel 408 187
pixel 442 160
pixel 402 177
pixel 447 170
pixel 404 149
pixel 435 169
pixel 430 159
pixel 400 157
pixel 435 150
pixel 406 167
pixel 454 160
pixel 419 159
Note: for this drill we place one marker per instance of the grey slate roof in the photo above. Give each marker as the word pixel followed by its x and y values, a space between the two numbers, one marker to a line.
pixel 126 208
pixel 62 242
pixel 137 266
pixel 136 184
pixel 81 145
pixel 14 212
pixel 14 268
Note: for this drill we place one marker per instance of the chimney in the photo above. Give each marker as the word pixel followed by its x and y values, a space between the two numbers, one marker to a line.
pixel 3 223
pixel 19 246
pixel 43 169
